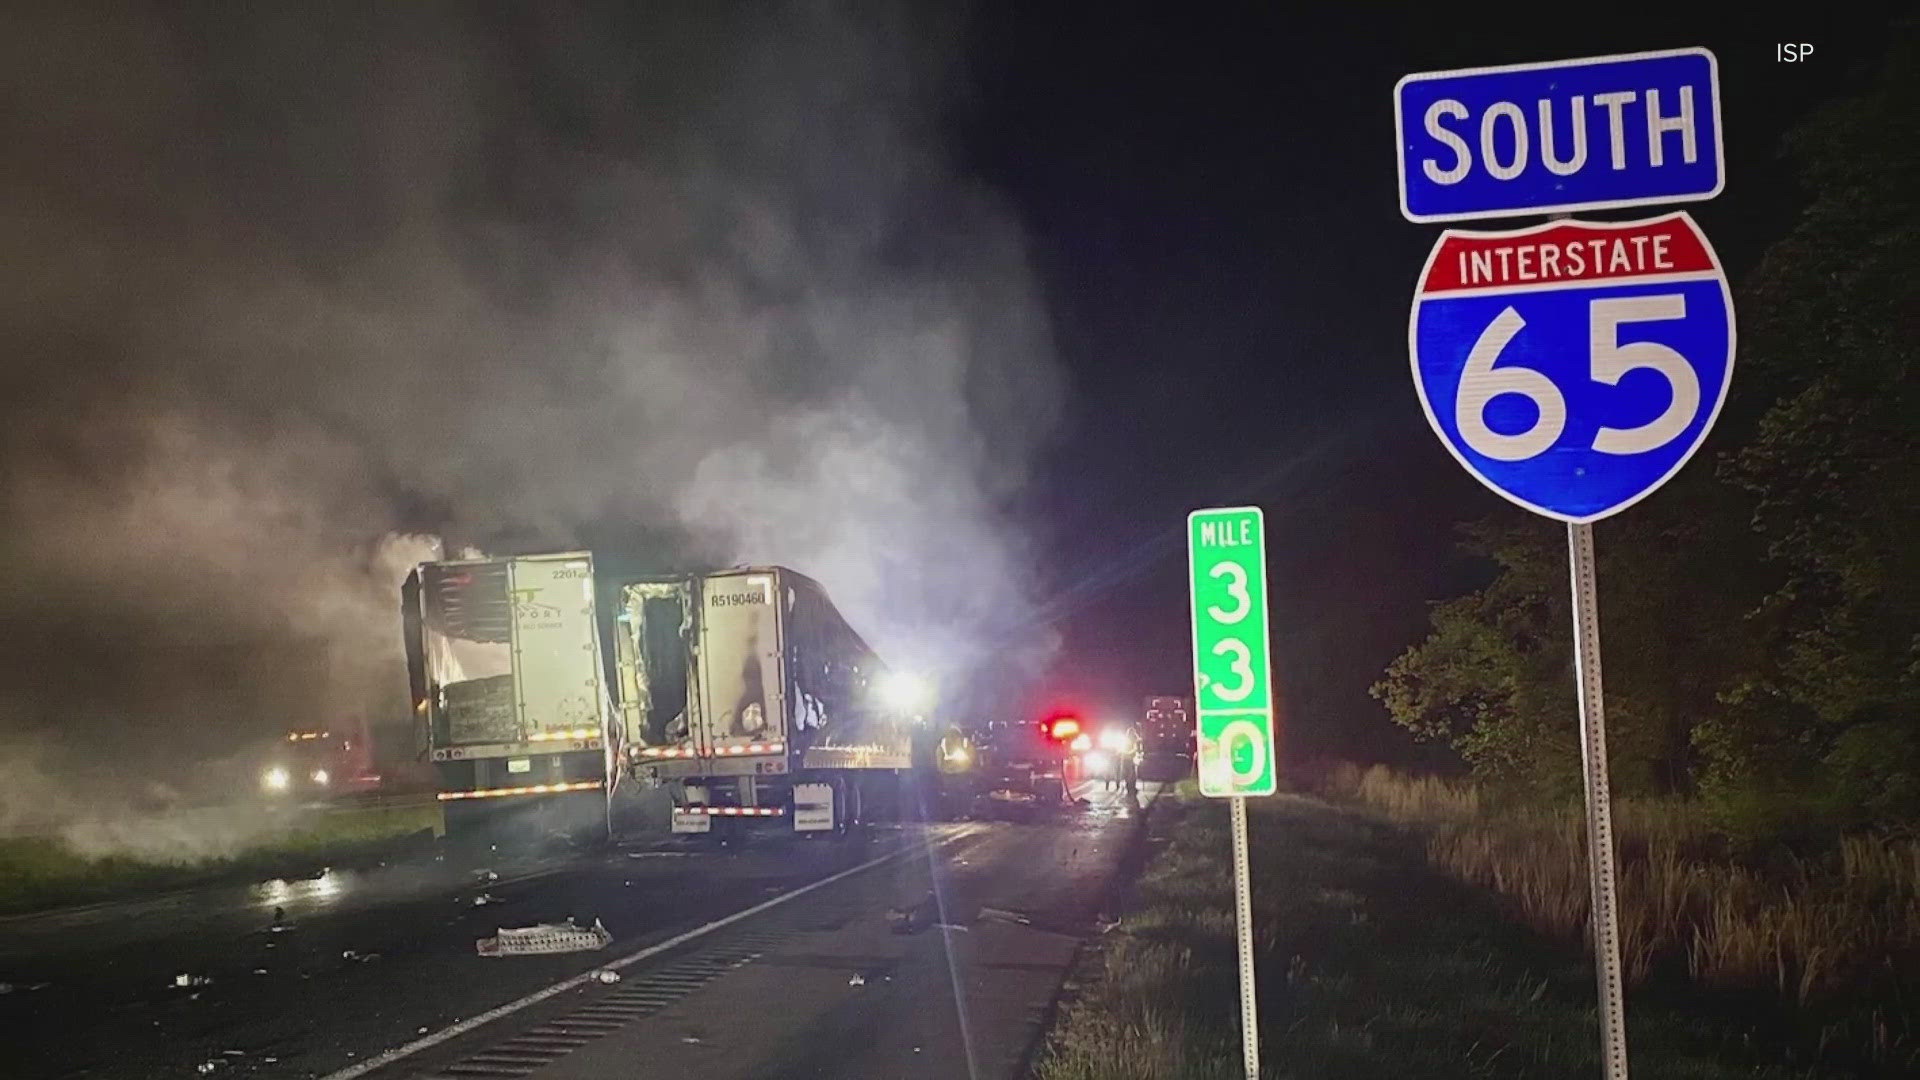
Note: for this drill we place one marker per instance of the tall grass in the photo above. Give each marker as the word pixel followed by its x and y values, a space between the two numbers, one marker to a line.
pixel 1809 928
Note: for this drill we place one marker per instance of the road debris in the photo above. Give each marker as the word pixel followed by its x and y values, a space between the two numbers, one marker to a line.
pixel 690 1038
pixel 486 875
pixel 1005 916
pixel 359 956
pixel 607 976
pixel 918 915
pixel 184 980
pixel 259 971
pixel 857 980
pixel 544 938
pixel 206 1067
pixel 655 854
pixel 486 898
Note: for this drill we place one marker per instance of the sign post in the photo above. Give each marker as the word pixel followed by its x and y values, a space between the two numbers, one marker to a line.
pixel 1233 701
pixel 1572 367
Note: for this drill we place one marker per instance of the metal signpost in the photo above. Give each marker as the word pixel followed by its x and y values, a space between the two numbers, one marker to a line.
pixel 1572 367
pixel 1233 700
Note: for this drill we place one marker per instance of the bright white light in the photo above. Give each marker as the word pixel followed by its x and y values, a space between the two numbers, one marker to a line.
pixel 958 755
pixel 905 692
pixel 275 779
pixel 1080 743
pixel 1117 741
pixel 320 777
pixel 1099 761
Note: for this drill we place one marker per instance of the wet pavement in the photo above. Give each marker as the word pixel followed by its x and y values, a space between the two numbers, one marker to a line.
pixel 356 962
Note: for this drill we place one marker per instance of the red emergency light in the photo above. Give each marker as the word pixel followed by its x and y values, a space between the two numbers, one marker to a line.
pixel 1063 728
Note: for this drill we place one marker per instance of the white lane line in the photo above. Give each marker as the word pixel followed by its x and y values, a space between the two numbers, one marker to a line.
pixel 453 1030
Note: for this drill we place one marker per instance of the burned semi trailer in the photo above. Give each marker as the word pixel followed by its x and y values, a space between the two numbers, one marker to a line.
pixel 748 697
pixel 541 683
pixel 509 698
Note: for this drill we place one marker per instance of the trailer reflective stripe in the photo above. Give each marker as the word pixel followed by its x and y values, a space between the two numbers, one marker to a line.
pixel 577 733
pixel 676 751
pixel 736 811
pixel 536 789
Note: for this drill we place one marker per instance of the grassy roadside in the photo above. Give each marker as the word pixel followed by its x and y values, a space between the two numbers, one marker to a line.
pixel 1371 963
pixel 42 872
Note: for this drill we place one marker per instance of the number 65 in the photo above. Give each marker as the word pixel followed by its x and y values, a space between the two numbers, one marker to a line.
pixel 1608 362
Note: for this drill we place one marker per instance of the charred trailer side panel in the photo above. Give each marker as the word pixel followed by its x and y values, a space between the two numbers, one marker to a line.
pixel 504 661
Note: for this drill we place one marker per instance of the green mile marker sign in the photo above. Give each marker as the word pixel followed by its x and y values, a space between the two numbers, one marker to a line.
pixel 1232 677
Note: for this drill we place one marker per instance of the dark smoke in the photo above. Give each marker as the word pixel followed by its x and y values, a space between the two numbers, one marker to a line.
pixel 292 290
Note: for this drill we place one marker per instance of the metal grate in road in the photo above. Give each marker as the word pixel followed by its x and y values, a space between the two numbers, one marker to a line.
pixel 639 996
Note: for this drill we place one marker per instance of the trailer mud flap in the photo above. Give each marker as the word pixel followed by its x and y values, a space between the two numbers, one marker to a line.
pixel 812 807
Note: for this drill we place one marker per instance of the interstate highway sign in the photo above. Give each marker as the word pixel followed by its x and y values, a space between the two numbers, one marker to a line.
pixel 1573 367
pixel 1604 132
pixel 1232 678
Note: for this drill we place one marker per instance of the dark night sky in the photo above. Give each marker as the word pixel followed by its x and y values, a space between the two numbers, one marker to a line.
pixel 1211 203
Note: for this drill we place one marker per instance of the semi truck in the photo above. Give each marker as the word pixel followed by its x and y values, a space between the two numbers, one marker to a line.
pixel 749 698
pixel 542 682
pixel 509 696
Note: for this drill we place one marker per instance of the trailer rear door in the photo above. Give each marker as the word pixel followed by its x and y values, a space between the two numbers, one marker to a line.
pixel 558 692
pixel 742 682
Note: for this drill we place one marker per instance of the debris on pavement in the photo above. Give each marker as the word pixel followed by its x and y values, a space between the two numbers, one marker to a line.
pixel 359 956
pixel 206 1067
pixel 184 980
pixel 918 915
pixel 486 875
pixel 857 980
pixel 1005 916
pixel 607 976
pixel 655 854
pixel 486 898
pixel 689 1038
pixel 259 971
pixel 951 926
pixel 544 938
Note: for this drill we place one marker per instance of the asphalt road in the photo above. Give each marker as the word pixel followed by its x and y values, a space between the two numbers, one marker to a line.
pixel 365 962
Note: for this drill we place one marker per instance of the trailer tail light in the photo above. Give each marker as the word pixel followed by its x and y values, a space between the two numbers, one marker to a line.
pixel 536 789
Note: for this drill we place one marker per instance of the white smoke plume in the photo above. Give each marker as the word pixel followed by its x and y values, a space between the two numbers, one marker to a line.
pixel 291 289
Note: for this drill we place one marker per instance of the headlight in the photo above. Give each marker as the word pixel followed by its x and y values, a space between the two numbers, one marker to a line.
pixel 905 692
pixel 320 777
pixel 958 756
pixel 1099 760
pixel 1080 743
pixel 1115 740
pixel 275 779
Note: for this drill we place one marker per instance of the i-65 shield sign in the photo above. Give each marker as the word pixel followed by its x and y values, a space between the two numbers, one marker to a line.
pixel 1227 571
pixel 1573 367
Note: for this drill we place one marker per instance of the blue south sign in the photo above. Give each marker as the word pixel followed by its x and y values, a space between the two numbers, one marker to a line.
pixel 1599 133
pixel 1573 367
